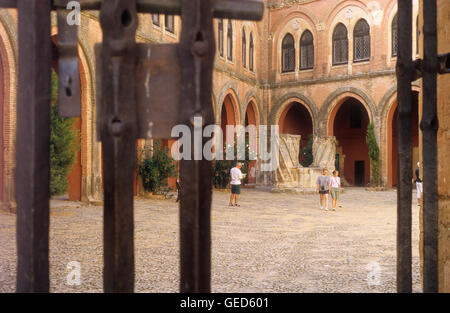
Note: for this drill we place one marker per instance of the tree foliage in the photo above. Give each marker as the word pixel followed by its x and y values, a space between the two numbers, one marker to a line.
pixel 374 155
pixel 307 153
pixel 63 144
pixel 155 167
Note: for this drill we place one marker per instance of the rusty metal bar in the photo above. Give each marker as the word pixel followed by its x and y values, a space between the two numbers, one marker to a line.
pixel 429 126
pixel 405 71
pixel 197 49
pixel 33 142
pixel 118 133
pixel 235 9
pixel 69 84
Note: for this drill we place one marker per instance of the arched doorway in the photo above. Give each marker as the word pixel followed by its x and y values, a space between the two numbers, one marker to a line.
pixel 296 120
pixel 251 118
pixel 228 115
pixel 393 139
pixel 349 125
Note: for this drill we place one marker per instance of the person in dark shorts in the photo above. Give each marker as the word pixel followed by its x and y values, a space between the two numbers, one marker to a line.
pixel 323 188
pixel 236 177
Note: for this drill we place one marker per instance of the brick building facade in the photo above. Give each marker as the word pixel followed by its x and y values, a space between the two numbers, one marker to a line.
pixel 311 67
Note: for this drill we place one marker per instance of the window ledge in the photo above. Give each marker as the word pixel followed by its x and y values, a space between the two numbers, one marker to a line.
pixel 361 62
pixel 339 65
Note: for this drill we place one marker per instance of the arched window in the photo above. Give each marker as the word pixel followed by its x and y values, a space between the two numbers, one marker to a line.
pixel 220 39
pixel 361 41
pixel 306 50
pixel 244 49
pixel 230 41
pixel 394 36
pixel 170 24
pixel 340 45
pixel 288 54
pixel 250 54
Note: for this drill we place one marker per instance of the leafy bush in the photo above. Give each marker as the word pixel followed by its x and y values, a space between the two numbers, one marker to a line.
pixel 374 155
pixel 307 155
pixel 154 167
pixel 63 144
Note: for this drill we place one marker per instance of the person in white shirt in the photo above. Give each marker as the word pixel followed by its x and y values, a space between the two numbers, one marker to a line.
pixel 236 177
pixel 335 184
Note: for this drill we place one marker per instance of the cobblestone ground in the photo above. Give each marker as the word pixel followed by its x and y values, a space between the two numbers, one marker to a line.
pixel 272 243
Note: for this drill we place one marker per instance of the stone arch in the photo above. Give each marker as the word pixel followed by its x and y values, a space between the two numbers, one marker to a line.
pixel 305 14
pixel 335 99
pixel 8 113
pixel 229 88
pixel 252 96
pixel 282 27
pixel 341 6
pixel 388 105
pixel 285 100
pixel 334 18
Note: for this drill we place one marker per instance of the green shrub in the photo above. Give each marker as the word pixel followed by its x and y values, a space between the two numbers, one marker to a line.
pixel 63 144
pixel 374 155
pixel 154 167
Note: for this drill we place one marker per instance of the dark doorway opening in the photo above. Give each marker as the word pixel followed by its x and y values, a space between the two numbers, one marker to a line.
pixel 359 173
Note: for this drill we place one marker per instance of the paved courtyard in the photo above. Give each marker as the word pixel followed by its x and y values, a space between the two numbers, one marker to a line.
pixel 272 243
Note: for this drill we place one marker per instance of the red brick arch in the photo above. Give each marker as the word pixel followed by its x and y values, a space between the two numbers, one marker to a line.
pixel 352 140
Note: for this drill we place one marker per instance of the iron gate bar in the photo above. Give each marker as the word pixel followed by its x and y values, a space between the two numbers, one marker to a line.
pixel 69 89
pixel 118 133
pixel 33 146
pixel 196 50
pixel 429 126
pixel 405 70
pixel 234 9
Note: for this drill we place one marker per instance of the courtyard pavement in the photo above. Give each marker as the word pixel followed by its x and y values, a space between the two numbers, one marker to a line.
pixel 272 243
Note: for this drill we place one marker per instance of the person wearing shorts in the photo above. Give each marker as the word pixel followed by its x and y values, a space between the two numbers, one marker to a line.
pixel 418 181
pixel 236 177
pixel 323 188
pixel 335 184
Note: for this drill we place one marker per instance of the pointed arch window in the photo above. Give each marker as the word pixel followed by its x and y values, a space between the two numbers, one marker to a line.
pixel 220 39
pixel 230 41
pixel 287 54
pixel 361 41
pixel 244 49
pixel 306 50
pixel 394 36
pixel 340 45
pixel 250 53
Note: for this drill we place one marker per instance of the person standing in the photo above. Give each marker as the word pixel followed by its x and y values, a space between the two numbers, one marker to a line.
pixel 236 177
pixel 335 184
pixel 418 181
pixel 323 188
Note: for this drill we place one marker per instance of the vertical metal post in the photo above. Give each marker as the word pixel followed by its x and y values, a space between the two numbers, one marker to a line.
pixel 196 50
pixel 429 126
pixel 118 133
pixel 404 190
pixel 33 140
